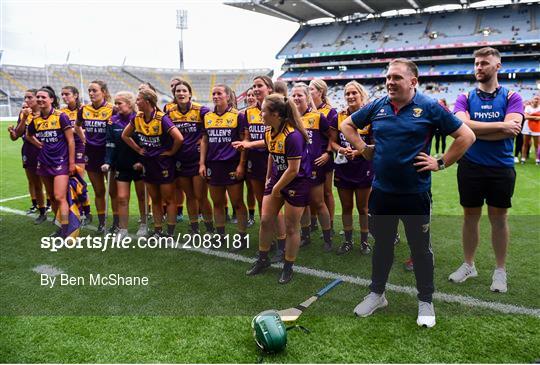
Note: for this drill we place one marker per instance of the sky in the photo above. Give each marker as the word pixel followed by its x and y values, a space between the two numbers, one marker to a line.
pixel 104 32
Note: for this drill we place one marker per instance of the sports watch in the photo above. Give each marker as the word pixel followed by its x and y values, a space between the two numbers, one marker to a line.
pixel 440 163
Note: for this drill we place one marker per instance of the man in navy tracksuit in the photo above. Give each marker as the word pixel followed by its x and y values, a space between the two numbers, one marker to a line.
pixel 403 123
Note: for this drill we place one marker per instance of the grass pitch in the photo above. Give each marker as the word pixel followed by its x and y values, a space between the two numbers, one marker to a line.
pixel 198 308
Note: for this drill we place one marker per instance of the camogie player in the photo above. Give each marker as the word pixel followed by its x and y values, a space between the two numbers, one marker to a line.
pixel 30 154
pixel 353 174
pixel 251 101
pixel 70 96
pixel 157 141
pixel 220 162
pixel 123 160
pixel 318 90
pixel 188 117
pixel 288 181
pixel 51 131
pixel 316 125
pixel 93 119
pixel 179 191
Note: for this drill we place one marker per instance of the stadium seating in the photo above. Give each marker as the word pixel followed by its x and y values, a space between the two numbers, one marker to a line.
pixel 510 23
pixel 15 80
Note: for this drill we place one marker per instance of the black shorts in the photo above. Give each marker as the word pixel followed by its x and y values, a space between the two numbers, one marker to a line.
pixel 128 175
pixel 477 183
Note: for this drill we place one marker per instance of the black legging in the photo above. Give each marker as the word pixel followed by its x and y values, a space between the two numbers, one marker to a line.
pixel 440 139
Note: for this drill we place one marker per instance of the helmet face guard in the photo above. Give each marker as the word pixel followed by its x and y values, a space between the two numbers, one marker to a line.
pixel 269 331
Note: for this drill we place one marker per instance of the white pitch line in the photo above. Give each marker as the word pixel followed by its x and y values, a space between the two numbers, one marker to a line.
pixel 443 297
pixel 14 198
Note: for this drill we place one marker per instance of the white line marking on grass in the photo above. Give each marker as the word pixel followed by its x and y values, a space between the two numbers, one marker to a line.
pixel 14 198
pixel 48 270
pixel 449 298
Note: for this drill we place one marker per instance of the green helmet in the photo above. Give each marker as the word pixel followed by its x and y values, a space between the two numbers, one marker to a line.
pixel 269 331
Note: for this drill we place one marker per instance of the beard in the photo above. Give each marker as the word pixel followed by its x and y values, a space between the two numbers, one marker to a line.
pixel 484 78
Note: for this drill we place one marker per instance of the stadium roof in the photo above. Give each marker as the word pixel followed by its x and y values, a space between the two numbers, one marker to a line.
pixel 306 10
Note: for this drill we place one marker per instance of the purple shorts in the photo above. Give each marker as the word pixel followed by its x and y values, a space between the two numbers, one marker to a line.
pixel 80 158
pixel 257 163
pixel 29 154
pixel 318 175
pixel 158 170
pixel 95 157
pixel 186 169
pixel 45 170
pixel 297 193
pixel 222 173
pixel 357 175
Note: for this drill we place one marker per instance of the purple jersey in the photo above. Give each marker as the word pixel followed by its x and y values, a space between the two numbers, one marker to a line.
pixel 342 141
pixel 287 144
pixel 190 124
pixel 154 135
pixel 49 130
pixel 94 121
pixel 255 125
pixel 315 124
pixel 72 115
pixel 221 131
pixel 331 116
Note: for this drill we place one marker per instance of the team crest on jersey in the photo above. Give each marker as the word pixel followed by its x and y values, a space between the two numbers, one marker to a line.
pixel 208 172
pixel 193 118
pixel 280 145
pixel 210 122
pixel 381 112
pixel 232 175
pixel 311 122
pixel 87 114
pixel 155 129
pixel 165 173
pixel 252 117
pixel 178 165
pixel 417 112
pixel 292 193
pixel 104 114
pixel 229 122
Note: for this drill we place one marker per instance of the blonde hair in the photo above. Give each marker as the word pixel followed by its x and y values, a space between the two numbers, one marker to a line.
pixel 305 89
pixel 128 97
pixel 322 87
pixel 287 111
pixel 361 90
pixel 150 96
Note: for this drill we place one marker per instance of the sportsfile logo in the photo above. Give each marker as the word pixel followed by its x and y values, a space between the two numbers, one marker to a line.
pixel 115 241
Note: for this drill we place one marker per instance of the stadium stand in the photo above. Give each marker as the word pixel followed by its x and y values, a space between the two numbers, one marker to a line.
pixel 15 80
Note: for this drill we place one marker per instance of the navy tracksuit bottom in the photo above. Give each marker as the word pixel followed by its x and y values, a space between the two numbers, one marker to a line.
pixel 414 210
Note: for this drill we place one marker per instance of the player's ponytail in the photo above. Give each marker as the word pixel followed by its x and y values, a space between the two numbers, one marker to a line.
pixel 50 91
pixel 150 96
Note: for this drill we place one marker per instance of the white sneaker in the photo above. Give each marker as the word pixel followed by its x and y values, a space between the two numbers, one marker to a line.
pixel 426 314
pixel 516 160
pixel 464 272
pixel 143 230
pixel 122 233
pixel 370 304
pixel 498 283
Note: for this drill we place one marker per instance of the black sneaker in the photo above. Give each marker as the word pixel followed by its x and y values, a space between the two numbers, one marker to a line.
pixel 100 229
pixel 33 209
pixel 327 246
pixel 58 233
pixel 243 246
pixel 397 239
pixel 114 229
pixel 345 248
pixel 286 275
pixel 365 248
pixel 40 219
pixel 314 227
pixel 278 257
pixel 305 241
pixel 258 267
pixel 250 222
pixel 86 220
